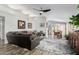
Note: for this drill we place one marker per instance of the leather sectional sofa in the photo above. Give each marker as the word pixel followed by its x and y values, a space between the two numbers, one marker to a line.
pixel 24 39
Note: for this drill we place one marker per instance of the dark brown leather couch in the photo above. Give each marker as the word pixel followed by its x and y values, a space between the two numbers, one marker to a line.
pixel 23 39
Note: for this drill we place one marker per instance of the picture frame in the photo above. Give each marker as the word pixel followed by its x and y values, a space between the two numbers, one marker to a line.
pixel 21 24
pixel 42 24
pixel 29 25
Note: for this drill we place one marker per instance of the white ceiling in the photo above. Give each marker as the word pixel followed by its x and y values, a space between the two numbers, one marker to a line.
pixel 59 12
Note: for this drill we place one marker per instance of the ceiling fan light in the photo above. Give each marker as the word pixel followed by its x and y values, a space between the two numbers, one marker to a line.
pixel 41 12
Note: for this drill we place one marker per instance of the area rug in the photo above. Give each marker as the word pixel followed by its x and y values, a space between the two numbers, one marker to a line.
pixel 56 47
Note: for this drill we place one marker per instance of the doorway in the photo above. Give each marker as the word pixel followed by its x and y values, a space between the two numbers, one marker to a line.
pixel 57 30
pixel 2 29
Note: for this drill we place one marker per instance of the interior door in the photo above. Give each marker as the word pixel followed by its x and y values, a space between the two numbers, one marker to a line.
pixel 2 28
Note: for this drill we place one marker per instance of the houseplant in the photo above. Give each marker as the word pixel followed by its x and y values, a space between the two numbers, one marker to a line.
pixel 74 19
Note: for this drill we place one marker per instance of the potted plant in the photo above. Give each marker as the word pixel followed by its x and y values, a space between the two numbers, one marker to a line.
pixel 74 20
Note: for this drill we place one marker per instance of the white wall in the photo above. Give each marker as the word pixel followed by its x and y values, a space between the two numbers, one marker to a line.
pixel 36 21
pixel 11 22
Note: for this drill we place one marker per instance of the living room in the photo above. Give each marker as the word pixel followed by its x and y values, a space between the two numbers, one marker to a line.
pixel 37 29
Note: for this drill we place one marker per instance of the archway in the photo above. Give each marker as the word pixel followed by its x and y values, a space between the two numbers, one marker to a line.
pixel 57 29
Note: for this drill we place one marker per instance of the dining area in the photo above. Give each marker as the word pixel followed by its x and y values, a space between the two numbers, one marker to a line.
pixel 57 30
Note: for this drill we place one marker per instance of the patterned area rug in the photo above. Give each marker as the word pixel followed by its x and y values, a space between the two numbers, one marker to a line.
pixel 56 47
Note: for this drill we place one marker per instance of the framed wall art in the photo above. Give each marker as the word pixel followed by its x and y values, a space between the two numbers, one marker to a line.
pixel 29 25
pixel 42 24
pixel 21 24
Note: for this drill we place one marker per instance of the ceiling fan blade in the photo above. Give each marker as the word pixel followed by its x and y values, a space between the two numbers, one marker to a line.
pixel 47 10
pixel 36 9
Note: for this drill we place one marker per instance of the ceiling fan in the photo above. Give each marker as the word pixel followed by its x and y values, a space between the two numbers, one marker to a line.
pixel 41 11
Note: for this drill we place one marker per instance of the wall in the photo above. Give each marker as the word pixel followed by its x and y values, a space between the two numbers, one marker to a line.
pixel 12 16
pixel 11 22
pixel 36 21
